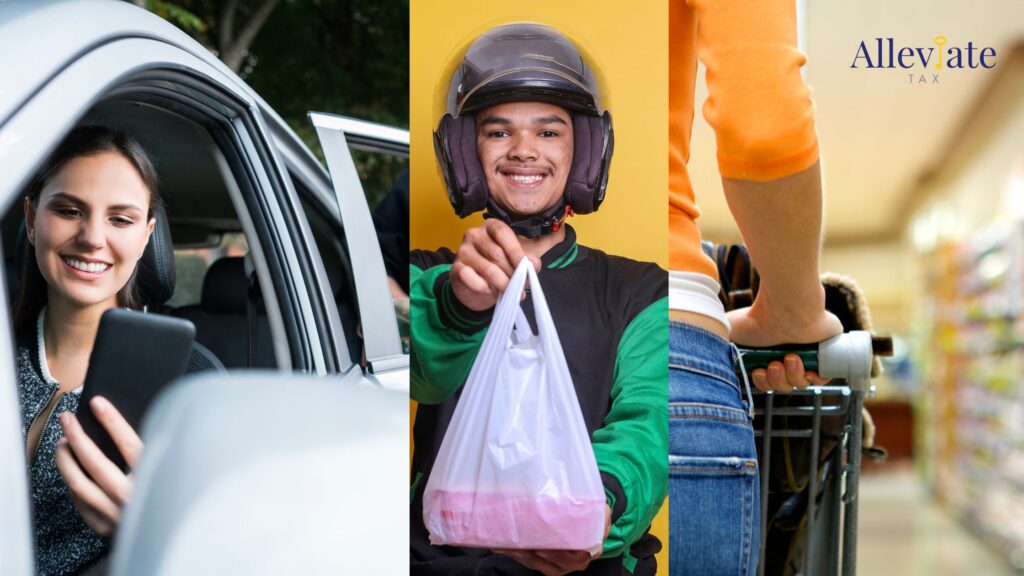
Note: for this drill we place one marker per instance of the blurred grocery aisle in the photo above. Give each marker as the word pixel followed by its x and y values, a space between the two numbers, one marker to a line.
pixel 903 531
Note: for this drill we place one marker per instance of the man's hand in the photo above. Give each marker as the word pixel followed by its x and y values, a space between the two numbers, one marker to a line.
pixel 558 562
pixel 758 326
pixel 484 263
pixel 99 490
pixel 551 562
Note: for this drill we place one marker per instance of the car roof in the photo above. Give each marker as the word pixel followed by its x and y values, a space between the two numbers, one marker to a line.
pixel 48 35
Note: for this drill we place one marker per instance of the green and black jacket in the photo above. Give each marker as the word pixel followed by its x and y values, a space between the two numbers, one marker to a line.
pixel 612 319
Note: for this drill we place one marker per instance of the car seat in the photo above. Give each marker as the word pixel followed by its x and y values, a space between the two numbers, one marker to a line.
pixel 221 317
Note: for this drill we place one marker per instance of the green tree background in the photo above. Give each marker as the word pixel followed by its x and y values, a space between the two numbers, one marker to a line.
pixel 348 57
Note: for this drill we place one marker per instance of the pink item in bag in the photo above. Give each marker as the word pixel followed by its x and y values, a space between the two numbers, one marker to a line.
pixel 480 520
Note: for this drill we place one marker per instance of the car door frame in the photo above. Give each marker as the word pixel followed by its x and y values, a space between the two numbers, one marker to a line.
pixel 337 134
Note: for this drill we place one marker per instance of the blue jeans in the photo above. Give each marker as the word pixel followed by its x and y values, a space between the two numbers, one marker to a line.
pixel 714 494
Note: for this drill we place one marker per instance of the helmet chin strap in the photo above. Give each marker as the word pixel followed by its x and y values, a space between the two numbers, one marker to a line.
pixel 535 226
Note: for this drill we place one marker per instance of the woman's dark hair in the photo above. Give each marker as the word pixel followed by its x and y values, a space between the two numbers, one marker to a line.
pixel 82 141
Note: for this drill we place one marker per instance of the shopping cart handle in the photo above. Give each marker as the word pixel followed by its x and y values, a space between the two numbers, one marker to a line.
pixel 847 356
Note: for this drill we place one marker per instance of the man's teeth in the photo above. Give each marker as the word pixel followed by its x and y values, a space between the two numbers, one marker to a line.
pixel 93 267
pixel 524 179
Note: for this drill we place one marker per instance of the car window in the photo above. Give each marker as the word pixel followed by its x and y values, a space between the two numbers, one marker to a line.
pixel 202 191
pixel 378 173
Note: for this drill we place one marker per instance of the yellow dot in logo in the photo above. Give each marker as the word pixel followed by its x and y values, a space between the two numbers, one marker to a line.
pixel 940 41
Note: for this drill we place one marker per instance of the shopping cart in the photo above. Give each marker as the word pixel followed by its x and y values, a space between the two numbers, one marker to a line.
pixel 810 442
pixel 809 448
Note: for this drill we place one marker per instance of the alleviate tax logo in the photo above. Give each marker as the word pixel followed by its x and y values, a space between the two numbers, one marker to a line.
pixel 924 64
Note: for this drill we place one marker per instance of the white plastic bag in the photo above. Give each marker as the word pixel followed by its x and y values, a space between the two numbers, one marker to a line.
pixel 516 469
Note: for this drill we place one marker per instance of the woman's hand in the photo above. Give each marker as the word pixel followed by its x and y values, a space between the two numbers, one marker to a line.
pixel 754 327
pixel 99 489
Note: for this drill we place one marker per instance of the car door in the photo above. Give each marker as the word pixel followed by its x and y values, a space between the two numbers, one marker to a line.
pixel 261 473
pixel 385 361
pixel 15 525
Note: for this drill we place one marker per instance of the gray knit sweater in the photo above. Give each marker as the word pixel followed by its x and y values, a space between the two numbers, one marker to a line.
pixel 63 542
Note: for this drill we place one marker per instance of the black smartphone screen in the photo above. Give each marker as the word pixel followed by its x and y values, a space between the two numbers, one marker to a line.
pixel 134 357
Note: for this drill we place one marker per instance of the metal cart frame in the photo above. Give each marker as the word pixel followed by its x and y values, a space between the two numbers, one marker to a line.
pixel 840 529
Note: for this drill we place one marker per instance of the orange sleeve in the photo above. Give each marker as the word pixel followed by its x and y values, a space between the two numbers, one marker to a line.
pixel 685 253
pixel 758 104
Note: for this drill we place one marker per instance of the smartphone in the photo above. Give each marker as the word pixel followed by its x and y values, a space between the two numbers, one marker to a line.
pixel 135 355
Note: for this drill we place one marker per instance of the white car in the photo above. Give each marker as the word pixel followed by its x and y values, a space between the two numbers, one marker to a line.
pixel 302 467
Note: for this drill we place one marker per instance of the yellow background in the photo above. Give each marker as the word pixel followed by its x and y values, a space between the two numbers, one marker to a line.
pixel 629 41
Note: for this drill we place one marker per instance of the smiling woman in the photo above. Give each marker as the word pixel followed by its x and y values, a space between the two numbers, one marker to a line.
pixel 93 162
pixel 89 215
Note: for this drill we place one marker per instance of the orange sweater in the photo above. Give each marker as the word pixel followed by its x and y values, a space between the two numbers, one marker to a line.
pixel 758 105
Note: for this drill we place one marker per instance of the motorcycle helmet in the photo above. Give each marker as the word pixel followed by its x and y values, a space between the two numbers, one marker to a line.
pixel 522 62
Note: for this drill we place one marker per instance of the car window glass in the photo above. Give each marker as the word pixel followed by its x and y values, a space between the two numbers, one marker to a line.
pixel 378 173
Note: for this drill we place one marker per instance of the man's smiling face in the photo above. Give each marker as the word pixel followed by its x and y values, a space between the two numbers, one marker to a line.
pixel 525 150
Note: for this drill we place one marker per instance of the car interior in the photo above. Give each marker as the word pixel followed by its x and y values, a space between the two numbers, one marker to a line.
pixel 210 279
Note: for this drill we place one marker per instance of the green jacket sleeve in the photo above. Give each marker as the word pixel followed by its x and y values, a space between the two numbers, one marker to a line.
pixel 446 336
pixel 632 445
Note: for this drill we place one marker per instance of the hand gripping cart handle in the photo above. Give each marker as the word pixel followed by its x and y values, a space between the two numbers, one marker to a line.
pixel 808 520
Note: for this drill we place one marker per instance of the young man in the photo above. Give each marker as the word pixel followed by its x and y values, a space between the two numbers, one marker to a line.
pixel 527 139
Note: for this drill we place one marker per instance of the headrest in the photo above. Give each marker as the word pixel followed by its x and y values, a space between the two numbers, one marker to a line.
pixel 156 268
pixel 226 287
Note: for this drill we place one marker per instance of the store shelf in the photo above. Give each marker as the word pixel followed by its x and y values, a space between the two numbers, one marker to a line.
pixel 975 409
